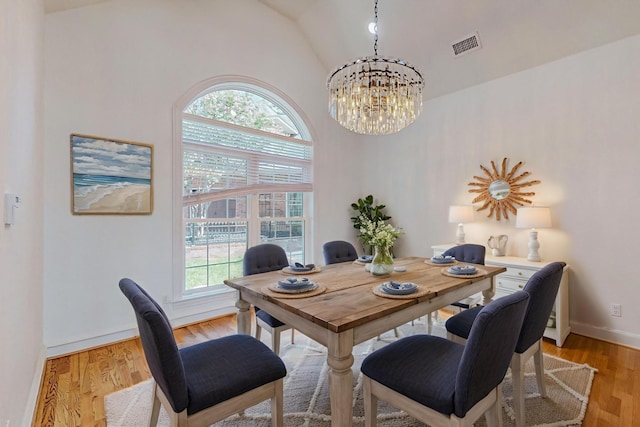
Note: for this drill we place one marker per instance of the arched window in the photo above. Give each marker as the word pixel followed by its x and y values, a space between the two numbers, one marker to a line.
pixel 247 179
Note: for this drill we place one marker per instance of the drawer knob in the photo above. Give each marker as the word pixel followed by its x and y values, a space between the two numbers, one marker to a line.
pixel 519 273
pixel 521 286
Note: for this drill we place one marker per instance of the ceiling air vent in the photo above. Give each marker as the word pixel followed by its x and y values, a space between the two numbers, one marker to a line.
pixel 466 45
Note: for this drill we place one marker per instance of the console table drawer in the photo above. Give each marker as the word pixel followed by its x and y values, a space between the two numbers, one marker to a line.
pixel 508 284
pixel 519 273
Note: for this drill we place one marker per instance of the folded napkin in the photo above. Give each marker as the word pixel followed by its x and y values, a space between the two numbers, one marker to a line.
pixel 300 267
pixel 443 259
pixel 399 288
pixel 463 269
pixel 293 283
pixel 395 285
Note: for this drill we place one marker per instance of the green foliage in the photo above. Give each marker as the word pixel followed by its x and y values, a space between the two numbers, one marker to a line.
pixel 236 107
pixel 367 211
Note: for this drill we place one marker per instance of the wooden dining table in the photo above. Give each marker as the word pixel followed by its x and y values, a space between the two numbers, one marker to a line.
pixel 346 309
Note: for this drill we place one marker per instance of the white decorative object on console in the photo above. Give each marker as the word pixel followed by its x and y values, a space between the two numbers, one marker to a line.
pixel 533 217
pixel 460 214
pixel 498 244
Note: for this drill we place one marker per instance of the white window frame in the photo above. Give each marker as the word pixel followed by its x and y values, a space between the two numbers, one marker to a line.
pixel 306 132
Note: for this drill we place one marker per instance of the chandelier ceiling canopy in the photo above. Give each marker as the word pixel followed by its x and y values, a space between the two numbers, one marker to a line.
pixel 375 95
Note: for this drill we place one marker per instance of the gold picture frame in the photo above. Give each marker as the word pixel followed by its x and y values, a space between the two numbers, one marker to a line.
pixel 110 176
pixel 501 191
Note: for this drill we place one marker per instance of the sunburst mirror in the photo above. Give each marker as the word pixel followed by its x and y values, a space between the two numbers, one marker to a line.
pixel 500 191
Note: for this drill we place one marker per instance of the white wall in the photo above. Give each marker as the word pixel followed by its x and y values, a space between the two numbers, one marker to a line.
pixel 115 70
pixel 22 353
pixel 574 124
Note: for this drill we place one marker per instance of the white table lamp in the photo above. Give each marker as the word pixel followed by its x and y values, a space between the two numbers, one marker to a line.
pixel 533 217
pixel 460 214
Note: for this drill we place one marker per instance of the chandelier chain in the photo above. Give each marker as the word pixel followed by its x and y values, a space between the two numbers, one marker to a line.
pixel 375 26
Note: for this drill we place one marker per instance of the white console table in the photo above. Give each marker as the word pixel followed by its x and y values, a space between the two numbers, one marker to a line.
pixel 519 270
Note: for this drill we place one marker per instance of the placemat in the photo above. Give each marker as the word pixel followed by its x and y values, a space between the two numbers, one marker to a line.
pixel 439 264
pixel 288 270
pixel 422 291
pixel 317 291
pixel 480 272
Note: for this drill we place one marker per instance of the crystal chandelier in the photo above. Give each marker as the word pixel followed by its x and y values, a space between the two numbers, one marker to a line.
pixel 375 95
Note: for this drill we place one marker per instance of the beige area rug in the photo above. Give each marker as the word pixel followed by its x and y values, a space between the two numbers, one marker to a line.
pixel 306 400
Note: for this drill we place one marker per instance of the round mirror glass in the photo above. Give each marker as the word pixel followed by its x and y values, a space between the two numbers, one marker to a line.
pixel 499 189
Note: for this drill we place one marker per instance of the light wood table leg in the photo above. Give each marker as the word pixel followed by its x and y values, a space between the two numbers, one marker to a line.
pixel 244 317
pixel 340 361
pixel 488 294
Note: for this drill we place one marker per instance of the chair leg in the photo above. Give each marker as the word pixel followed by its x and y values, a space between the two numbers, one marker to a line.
pixel 430 320
pixel 178 419
pixel 517 377
pixel 293 336
pixel 277 406
pixel 155 411
pixel 258 331
pixel 370 404
pixel 538 360
pixel 493 415
pixel 275 341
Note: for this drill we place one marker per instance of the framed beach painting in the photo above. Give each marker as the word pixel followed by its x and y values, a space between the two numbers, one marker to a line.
pixel 109 176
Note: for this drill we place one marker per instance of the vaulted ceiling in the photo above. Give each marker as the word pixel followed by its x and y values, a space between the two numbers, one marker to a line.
pixel 514 35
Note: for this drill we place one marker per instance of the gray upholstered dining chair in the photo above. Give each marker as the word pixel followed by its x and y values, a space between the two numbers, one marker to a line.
pixel 338 251
pixel 467 252
pixel 443 383
pixel 470 253
pixel 261 259
pixel 542 288
pixel 473 254
pixel 209 381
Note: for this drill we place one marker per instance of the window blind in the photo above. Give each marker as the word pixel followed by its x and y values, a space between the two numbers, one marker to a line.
pixel 223 160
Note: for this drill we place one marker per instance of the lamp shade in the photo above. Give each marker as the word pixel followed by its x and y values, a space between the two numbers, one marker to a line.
pixel 533 217
pixel 460 214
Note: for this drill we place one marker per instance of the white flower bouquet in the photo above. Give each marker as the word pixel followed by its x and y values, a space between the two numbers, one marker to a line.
pixel 378 233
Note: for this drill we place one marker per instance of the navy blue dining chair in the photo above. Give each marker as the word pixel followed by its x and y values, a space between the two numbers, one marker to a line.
pixel 467 252
pixel 209 381
pixel 261 259
pixel 443 383
pixel 470 253
pixel 338 251
pixel 542 288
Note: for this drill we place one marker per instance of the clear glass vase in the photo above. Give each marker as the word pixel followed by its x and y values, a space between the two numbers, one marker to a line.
pixel 382 262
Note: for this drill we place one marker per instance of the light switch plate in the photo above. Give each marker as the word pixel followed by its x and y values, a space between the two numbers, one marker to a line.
pixel 11 203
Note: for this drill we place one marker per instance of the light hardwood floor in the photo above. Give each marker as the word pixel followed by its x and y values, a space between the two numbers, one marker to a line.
pixel 74 386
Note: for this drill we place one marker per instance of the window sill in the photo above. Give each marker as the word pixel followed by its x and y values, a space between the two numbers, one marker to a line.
pixel 213 303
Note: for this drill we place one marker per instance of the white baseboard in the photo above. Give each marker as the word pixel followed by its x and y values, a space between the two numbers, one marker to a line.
pixel 34 391
pixel 606 334
pixel 181 313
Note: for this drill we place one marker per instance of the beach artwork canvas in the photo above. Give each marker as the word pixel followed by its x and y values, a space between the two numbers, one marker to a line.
pixel 111 176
